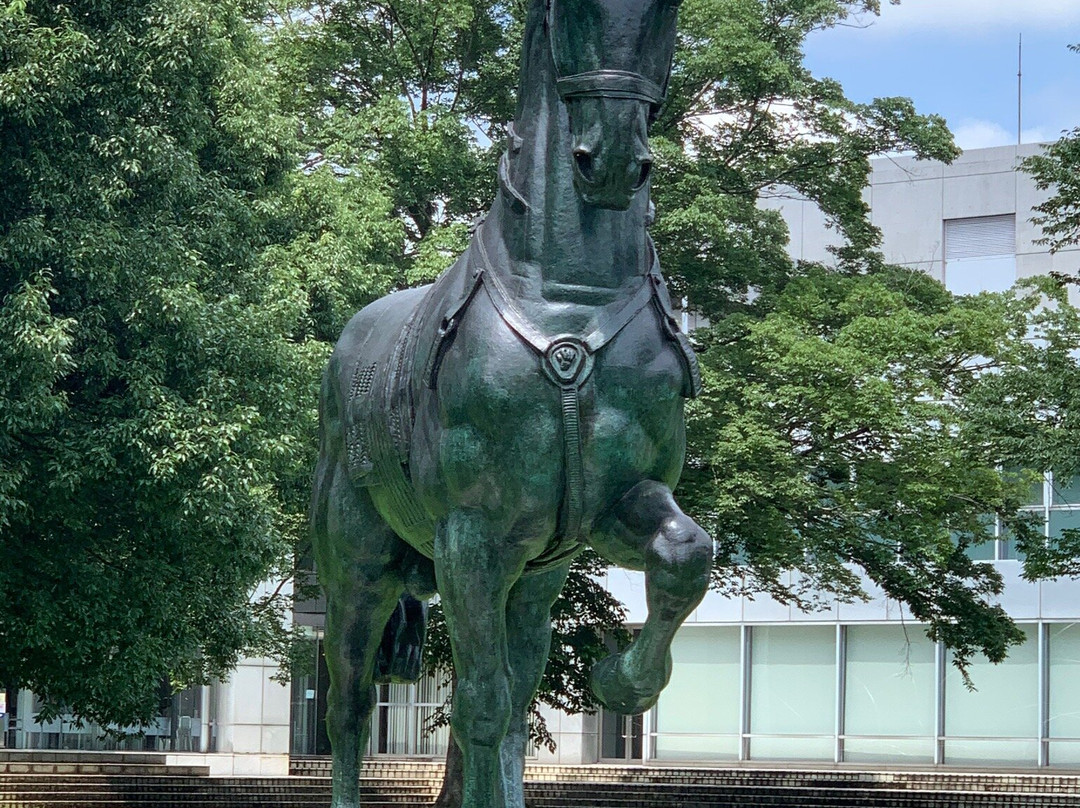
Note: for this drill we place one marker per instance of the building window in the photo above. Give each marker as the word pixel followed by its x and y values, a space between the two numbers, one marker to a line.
pixel 980 254
pixel 697 717
pixel 889 695
pixel 1064 712
pixel 1054 500
pixel 793 693
pixel 997 724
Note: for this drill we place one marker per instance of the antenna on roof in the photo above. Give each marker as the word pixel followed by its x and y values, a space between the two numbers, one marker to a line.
pixel 1020 91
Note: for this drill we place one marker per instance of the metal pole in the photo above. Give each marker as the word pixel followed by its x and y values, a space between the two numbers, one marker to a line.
pixel 1020 91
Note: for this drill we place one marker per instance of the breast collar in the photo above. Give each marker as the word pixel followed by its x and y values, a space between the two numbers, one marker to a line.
pixel 567 361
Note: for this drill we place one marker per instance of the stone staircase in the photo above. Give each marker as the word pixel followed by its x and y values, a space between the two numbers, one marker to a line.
pixel 739 787
pixel 89 780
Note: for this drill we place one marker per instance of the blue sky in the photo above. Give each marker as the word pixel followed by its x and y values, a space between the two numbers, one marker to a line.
pixel 958 58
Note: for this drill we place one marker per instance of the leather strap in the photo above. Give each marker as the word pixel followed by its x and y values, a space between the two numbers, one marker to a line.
pixel 602 83
pixel 611 84
pixel 447 327
pixel 567 361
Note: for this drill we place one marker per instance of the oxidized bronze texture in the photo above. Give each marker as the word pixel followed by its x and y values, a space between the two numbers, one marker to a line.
pixel 479 432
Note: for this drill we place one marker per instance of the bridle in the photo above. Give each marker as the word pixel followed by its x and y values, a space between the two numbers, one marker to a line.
pixel 604 83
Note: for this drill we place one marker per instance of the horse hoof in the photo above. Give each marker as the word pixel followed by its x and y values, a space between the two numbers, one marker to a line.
pixel 618 692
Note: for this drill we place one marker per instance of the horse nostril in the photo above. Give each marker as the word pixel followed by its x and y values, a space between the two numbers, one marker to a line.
pixel 584 162
pixel 643 173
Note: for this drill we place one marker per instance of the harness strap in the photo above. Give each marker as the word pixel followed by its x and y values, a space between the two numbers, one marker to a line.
pixel 567 361
pixel 447 327
pixel 611 84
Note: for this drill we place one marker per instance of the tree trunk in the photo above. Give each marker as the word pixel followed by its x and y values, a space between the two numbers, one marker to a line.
pixel 454 778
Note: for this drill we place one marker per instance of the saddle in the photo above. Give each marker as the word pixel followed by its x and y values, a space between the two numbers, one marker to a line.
pixel 380 411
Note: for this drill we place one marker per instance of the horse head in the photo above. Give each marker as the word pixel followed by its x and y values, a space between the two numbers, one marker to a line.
pixel 612 60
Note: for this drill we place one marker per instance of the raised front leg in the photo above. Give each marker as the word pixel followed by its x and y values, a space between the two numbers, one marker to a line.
pixel 528 642
pixel 647 531
pixel 475 567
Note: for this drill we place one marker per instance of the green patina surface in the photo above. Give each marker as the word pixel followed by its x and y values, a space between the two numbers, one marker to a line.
pixel 477 433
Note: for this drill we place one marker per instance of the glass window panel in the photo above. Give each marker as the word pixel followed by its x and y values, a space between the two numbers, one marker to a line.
pixel 701 702
pixel 792 748
pixel 1063 520
pixel 1007 547
pixel 1064 652
pixel 987 550
pixel 1034 494
pixel 982 552
pixel 889 750
pixel 969 276
pixel 974 752
pixel 1066 490
pixel 1065 753
pixel 1005 703
pixel 793 689
pixel 889 682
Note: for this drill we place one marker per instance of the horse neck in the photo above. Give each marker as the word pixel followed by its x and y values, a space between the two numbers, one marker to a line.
pixel 559 248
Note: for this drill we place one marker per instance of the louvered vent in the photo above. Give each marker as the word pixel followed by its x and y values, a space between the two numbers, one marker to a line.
pixel 980 237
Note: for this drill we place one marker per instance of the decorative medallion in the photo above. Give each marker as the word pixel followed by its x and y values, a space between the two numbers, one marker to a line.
pixel 567 361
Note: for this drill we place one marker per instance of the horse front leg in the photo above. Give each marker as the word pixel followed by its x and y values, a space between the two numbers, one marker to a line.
pixel 475 568
pixel 647 531
pixel 528 642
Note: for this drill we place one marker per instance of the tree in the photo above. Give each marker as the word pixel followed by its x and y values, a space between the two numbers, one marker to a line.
pixel 833 431
pixel 157 354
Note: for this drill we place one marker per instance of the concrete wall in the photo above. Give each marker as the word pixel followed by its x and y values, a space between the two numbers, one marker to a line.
pixel 1023 600
pixel 911 199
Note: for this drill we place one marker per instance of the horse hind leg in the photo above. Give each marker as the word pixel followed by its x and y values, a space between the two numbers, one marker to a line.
pixel 355 553
pixel 647 530
pixel 400 655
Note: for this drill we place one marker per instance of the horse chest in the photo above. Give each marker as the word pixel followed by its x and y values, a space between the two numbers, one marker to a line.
pixel 501 428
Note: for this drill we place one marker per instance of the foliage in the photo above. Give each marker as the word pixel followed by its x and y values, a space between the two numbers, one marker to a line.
pixel 156 360
pixel 846 423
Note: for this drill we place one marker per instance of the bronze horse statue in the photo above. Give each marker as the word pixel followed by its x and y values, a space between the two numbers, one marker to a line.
pixel 478 433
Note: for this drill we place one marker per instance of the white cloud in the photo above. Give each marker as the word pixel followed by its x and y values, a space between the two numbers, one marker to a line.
pixel 965 15
pixel 977 134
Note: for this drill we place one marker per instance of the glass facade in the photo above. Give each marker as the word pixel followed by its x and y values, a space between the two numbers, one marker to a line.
pixel 1063 675
pixel 872 694
pixel 698 713
pixel 997 721
pixel 792 692
pixel 889 695
pixel 400 725
pixel 1055 501
pixel 185 723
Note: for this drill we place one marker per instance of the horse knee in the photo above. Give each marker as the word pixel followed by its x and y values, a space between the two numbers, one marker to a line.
pixel 682 548
pixel 481 715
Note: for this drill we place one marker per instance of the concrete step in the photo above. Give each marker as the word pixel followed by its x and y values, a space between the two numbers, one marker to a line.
pixel 76 756
pixel 618 796
pixel 113 769
pixel 936 780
